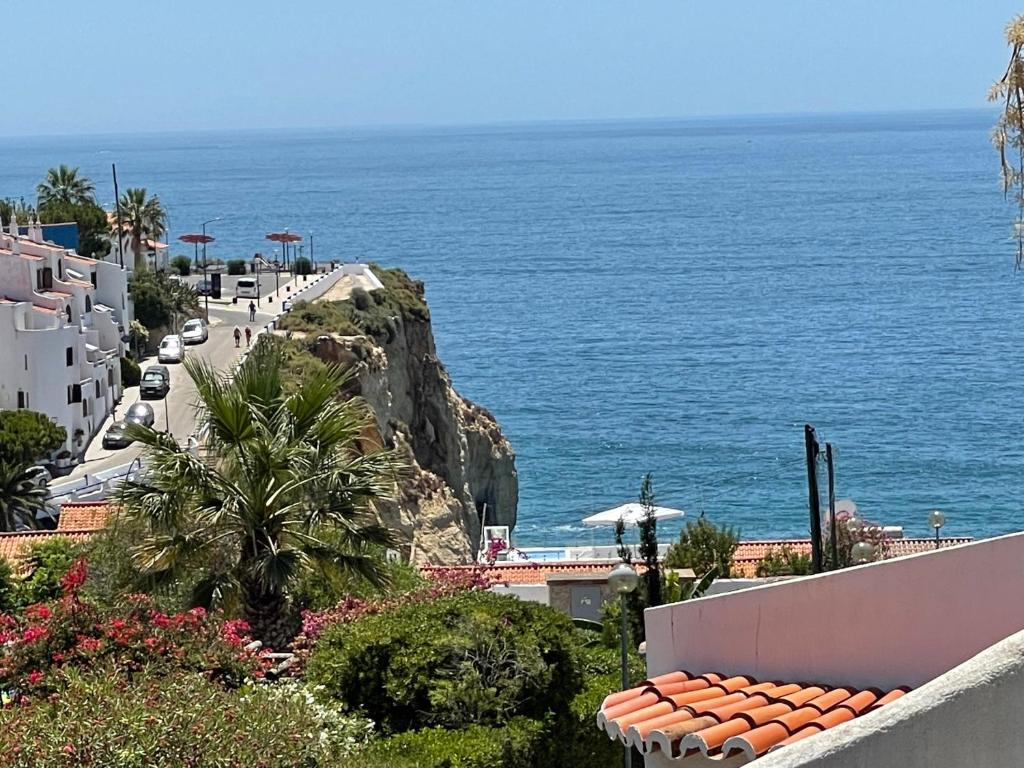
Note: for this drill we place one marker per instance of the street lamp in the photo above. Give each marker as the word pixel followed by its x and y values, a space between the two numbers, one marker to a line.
pixel 208 221
pixel 622 580
pixel 936 520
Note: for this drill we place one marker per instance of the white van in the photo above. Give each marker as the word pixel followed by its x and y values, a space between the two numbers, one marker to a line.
pixel 246 288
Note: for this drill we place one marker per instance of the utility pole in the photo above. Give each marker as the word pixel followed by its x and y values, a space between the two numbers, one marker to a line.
pixel 832 506
pixel 120 230
pixel 811 444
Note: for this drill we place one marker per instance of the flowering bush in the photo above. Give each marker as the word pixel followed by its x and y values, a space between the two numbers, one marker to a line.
pixel 47 638
pixel 442 582
pixel 180 720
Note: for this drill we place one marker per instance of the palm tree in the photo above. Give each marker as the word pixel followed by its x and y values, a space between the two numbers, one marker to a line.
pixel 64 185
pixel 22 496
pixel 284 485
pixel 143 218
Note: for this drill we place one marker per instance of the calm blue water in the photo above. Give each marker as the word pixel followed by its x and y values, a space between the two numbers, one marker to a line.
pixel 674 297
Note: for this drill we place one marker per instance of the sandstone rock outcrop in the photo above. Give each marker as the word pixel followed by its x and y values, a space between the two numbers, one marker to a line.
pixel 463 468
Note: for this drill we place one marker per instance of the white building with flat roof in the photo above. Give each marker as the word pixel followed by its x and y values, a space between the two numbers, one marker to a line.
pixel 63 318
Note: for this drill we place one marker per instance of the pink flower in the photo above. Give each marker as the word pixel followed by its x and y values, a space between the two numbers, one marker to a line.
pixel 34 677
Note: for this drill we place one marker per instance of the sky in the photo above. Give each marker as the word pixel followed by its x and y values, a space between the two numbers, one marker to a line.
pixel 129 66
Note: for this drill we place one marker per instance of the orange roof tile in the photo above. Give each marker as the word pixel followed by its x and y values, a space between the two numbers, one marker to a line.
pixel 749 554
pixel 83 516
pixel 680 714
pixel 15 546
pixel 537 573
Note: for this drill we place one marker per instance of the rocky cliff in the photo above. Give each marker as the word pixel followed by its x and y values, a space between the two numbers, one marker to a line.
pixel 463 468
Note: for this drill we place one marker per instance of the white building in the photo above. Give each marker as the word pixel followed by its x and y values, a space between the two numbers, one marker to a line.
pixel 62 321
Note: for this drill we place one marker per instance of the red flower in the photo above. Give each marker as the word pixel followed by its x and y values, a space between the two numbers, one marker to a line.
pixel 34 677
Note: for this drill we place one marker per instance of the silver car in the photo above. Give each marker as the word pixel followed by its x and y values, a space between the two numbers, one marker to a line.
pixel 171 349
pixel 194 332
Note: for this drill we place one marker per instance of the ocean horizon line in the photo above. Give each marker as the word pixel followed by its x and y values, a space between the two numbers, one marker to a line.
pixel 504 125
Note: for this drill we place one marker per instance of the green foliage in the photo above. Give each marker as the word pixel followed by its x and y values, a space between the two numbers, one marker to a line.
pixel 182 265
pixel 63 184
pixel 8 587
pixel 142 723
pixel 302 266
pixel 323 587
pixel 28 436
pixel 361 298
pixel 142 218
pixel 93 228
pixel 319 317
pixel 48 562
pixel 474 658
pixel 515 745
pixel 783 561
pixel 23 495
pixel 131 372
pixel 138 338
pixel 19 208
pixel 1008 133
pixel 279 472
pixel 236 266
pixel 160 301
pixel 702 546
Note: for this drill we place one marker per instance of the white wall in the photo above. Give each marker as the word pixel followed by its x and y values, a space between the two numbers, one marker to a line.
pixel 970 717
pixel 898 622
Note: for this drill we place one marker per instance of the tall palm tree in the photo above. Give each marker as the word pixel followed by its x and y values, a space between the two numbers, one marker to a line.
pixel 22 495
pixel 284 485
pixel 143 218
pixel 64 185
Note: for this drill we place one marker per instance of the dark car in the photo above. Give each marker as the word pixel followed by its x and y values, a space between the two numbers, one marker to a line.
pixel 115 436
pixel 156 381
pixel 140 413
pixel 204 288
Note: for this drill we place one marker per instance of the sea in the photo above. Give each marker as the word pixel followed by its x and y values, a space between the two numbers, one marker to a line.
pixel 676 297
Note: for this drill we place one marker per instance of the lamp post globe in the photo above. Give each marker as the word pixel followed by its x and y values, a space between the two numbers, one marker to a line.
pixel 623 579
pixel 854 524
pixel 862 552
pixel 936 519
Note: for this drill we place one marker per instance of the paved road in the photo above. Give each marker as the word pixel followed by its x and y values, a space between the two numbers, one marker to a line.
pixel 219 348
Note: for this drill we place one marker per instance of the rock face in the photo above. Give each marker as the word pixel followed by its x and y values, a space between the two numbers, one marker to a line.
pixel 463 468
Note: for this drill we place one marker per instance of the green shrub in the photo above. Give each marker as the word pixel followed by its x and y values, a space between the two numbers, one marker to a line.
pixel 182 265
pixel 27 436
pixel 302 266
pixel 702 546
pixel 319 317
pixel 784 562
pixel 474 658
pixel 142 723
pixel 516 745
pixel 159 299
pixel 8 586
pixel 131 373
pixel 47 563
pixel 361 298
pixel 236 266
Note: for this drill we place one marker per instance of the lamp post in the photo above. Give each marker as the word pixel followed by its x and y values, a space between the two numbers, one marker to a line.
pixel 208 221
pixel 936 520
pixel 622 581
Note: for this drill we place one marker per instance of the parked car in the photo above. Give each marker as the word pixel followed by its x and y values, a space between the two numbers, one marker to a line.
pixel 115 436
pixel 194 332
pixel 156 382
pixel 247 288
pixel 171 349
pixel 204 288
pixel 140 413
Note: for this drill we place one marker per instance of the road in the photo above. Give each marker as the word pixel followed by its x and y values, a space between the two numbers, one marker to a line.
pixel 219 348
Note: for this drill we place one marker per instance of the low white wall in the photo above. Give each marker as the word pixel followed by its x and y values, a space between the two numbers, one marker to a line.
pixel 318 285
pixel 898 622
pixel 970 716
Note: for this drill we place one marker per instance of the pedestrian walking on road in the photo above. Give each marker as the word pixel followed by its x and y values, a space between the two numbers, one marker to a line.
pixel 252 312
pixel 248 336
pixel 238 336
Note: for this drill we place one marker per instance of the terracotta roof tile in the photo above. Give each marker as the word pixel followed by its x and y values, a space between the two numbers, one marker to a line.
pixel 682 715
pixel 83 516
pixel 537 573
pixel 15 546
pixel 749 554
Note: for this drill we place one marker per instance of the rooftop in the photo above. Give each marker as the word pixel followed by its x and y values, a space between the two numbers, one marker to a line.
pixel 687 716
pixel 750 553
pixel 77 522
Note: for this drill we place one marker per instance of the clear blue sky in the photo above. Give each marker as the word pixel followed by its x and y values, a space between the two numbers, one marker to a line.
pixel 125 65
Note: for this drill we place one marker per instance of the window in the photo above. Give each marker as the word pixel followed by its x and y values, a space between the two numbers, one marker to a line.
pixel 110 377
pixel 92 276
pixel 85 407
pixel 67 310
pixel 22 399
pixel 69 353
pixel 60 269
pixel 74 393
pixel 26 362
pixel 97 389
pixel 44 279
pixel 88 304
